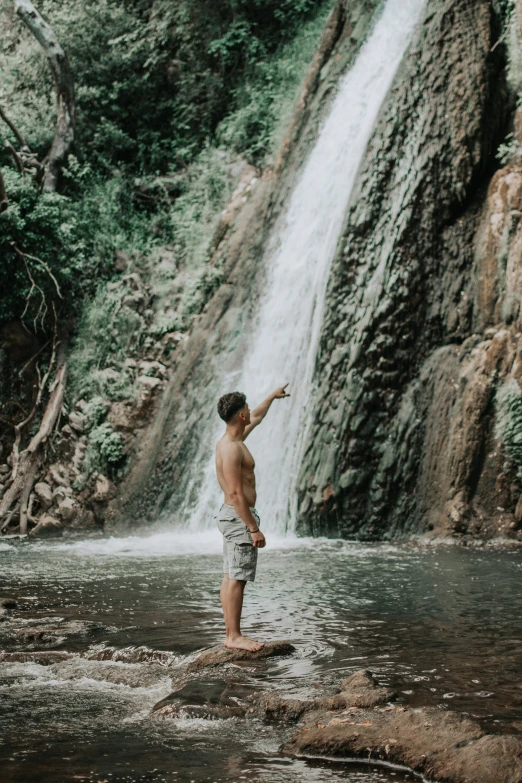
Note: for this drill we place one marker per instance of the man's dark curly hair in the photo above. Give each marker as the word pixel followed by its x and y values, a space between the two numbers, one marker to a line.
pixel 230 404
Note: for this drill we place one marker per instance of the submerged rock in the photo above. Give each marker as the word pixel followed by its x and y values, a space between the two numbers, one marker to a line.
pixel 46 631
pixel 8 603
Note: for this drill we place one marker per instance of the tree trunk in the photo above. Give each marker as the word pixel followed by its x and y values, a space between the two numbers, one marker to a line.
pixel 3 195
pixel 63 82
pixel 31 457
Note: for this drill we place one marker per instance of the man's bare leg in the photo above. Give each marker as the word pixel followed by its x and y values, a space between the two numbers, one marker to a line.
pixel 222 594
pixel 232 607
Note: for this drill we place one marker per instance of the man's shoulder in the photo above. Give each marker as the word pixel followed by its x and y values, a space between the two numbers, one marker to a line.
pixel 229 447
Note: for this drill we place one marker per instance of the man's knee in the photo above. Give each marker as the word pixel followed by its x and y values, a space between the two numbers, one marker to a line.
pixel 236 584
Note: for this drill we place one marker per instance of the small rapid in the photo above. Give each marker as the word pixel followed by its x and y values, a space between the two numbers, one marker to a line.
pixel 284 336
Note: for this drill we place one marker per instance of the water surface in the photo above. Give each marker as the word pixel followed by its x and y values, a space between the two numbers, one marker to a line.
pixel 442 627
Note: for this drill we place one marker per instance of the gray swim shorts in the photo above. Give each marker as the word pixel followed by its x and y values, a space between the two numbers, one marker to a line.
pixel 239 553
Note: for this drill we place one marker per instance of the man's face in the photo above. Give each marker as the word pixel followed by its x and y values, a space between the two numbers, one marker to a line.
pixel 244 414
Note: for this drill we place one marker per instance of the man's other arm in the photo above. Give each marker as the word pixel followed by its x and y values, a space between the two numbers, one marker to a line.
pixel 259 413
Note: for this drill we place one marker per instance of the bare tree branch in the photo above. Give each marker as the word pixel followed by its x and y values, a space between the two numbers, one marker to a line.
pixel 63 83
pixel 42 264
pixel 16 157
pixel 20 139
pixel 30 459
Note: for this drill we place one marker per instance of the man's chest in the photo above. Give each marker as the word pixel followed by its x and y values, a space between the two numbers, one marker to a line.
pixel 248 460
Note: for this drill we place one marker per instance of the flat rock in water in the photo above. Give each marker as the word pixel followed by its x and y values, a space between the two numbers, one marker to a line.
pixel 443 746
pixel 221 654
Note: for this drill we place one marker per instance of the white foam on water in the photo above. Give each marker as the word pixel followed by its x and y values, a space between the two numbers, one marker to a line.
pixel 181 543
pixel 171 543
pixel 285 335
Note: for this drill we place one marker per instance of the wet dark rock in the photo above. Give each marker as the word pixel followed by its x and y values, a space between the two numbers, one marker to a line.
pixel 414 346
pixel 358 691
pixel 133 675
pixel 131 655
pixel 204 698
pixel 43 658
pixel 280 708
pixel 205 711
pixel 8 603
pixel 219 655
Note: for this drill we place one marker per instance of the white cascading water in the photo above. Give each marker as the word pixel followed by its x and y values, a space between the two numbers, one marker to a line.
pixel 284 337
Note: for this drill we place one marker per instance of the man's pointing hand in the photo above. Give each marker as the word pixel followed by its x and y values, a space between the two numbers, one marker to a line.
pixel 280 392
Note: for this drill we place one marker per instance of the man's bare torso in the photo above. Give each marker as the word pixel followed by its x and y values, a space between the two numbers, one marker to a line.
pixel 247 469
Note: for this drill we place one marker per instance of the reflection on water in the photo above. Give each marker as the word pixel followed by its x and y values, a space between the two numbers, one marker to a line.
pixel 439 626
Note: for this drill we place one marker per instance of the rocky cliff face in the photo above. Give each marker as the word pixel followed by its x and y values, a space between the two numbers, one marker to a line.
pixel 422 324
pixel 415 410
pixel 166 471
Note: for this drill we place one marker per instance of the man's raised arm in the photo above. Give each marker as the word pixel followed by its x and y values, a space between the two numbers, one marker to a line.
pixel 232 456
pixel 259 413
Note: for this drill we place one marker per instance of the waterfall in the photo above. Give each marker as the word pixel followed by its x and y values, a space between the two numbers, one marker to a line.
pixel 285 334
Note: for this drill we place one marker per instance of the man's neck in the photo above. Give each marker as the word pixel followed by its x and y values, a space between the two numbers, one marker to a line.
pixel 236 430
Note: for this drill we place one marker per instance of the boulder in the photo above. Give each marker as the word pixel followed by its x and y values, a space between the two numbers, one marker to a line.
pixel 77 421
pixel 85 519
pixel 60 493
pixel 68 510
pixel 58 475
pixel 104 490
pixel 47 527
pixel 119 416
pixel 79 454
pixel 44 493
pixel 147 387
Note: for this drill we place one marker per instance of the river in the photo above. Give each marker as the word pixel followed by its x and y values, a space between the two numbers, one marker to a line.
pixel 439 625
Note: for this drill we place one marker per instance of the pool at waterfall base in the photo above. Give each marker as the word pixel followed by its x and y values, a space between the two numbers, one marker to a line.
pixel 438 625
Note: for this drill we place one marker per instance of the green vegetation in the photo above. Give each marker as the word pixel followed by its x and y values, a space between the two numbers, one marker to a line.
pixel 509 421
pixel 172 99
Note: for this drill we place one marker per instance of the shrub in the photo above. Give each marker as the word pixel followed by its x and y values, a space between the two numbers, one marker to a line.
pixel 509 421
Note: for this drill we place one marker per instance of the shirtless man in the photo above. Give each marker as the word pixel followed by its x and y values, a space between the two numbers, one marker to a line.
pixel 238 519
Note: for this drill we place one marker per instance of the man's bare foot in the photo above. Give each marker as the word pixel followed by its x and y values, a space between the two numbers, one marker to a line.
pixel 243 643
